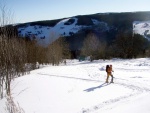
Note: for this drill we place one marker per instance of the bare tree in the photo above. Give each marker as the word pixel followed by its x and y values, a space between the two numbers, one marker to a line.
pixel 93 47
pixel 57 51
pixel 12 52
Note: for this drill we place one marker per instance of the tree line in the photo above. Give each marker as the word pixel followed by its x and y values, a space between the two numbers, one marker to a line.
pixel 20 55
pixel 125 45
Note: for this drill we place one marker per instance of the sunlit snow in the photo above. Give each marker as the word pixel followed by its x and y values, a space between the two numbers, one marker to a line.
pixel 79 87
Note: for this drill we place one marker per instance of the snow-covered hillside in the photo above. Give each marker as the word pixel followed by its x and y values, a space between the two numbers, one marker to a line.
pixel 79 87
pixel 46 34
pixel 142 28
pixel 69 26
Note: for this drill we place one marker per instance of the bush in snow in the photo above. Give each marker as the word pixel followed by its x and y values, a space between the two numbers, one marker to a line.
pixel 12 107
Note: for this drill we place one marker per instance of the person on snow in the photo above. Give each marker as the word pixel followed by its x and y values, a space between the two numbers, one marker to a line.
pixel 109 71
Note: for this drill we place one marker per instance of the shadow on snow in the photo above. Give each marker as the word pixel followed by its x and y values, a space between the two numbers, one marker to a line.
pixel 93 88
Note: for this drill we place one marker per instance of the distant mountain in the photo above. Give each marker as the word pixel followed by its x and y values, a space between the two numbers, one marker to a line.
pixel 105 25
pixel 47 33
pixel 142 28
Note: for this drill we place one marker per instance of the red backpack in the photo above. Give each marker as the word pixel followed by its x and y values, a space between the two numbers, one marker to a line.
pixel 107 67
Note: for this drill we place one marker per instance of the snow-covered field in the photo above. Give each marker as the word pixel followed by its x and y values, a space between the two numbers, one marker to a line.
pixel 79 87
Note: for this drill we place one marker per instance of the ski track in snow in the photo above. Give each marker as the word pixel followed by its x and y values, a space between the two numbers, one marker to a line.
pixel 67 77
pixel 135 87
pixel 136 90
pixel 127 84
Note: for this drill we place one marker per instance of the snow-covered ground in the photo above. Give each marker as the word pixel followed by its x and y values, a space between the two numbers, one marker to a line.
pixel 79 87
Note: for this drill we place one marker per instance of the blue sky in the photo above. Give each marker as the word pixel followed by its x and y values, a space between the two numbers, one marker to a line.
pixel 34 10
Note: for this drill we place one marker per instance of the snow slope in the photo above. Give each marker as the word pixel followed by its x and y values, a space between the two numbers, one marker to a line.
pixel 79 87
pixel 142 28
pixel 46 34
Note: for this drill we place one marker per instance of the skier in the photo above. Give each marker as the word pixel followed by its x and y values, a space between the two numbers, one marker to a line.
pixel 109 71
